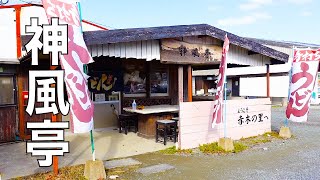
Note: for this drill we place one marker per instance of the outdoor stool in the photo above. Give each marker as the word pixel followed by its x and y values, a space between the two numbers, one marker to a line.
pixel 126 121
pixel 172 127
pixel 164 126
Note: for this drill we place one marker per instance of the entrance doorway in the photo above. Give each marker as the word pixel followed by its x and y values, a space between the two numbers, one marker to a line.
pixel 235 87
pixel 8 107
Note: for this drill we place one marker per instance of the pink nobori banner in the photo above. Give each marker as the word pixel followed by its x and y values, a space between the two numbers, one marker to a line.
pixel 304 71
pixel 81 111
pixel 218 107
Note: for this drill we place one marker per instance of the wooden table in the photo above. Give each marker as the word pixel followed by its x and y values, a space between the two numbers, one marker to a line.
pixel 148 116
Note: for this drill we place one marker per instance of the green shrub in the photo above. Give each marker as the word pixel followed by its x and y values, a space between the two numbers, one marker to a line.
pixel 239 147
pixel 174 150
pixel 211 148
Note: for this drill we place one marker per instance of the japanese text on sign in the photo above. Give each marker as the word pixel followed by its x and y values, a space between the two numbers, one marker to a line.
pixel 45 89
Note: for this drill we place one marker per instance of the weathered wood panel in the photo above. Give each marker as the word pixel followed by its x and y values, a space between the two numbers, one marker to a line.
pixel 181 52
pixel 243 120
pixel 7 124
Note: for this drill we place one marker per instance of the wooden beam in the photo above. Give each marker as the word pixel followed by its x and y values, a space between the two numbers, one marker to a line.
pixel 21 108
pixel 268 80
pixel 189 83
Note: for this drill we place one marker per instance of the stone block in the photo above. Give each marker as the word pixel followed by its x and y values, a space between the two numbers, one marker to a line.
pixel 121 163
pixel 285 132
pixel 226 144
pixel 94 170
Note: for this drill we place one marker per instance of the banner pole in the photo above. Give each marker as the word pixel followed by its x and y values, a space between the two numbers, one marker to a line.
pixel 225 107
pixel 225 97
pixel 85 70
pixel 290 78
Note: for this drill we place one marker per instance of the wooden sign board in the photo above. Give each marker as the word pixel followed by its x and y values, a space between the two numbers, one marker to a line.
pixel 179 52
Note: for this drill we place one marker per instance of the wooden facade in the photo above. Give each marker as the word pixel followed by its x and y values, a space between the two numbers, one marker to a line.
pixel 110 64
pixel 23 86
pixel 8 103
pixel 8 124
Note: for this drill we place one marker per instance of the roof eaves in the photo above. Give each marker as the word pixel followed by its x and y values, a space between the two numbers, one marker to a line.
pixel 247 44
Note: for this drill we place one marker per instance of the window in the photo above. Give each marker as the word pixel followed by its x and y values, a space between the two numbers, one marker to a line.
pixel 7 90
pixel 159 82
pixel 134 79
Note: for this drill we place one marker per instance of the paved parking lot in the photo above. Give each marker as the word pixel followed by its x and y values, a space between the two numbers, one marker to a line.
pixel 109 144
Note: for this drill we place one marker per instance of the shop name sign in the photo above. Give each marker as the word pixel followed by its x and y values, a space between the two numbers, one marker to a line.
pixel 180 52
pixel 245 117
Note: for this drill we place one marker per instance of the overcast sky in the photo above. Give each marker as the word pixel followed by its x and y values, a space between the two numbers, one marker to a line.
pixel 291 20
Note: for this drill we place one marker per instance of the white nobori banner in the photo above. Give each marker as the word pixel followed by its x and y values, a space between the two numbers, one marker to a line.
pixel 303 79
pixel 81 117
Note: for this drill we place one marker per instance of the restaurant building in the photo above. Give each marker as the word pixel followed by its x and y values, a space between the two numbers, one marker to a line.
pixel 152 67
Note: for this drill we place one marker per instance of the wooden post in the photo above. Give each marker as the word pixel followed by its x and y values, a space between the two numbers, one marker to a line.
pixel 55 158
pixel 180 83
pixel 21 108
pixel 180 97
pixel 18 31
pixel 268 80
pixel 189 83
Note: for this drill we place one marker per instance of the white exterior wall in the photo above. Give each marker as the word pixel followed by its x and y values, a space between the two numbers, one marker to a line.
pixel 257 86
pixel 195 121
pixel 8 47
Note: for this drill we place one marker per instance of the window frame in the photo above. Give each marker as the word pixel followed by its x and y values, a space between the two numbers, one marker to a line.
pixel 14 84
pixel 155 69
